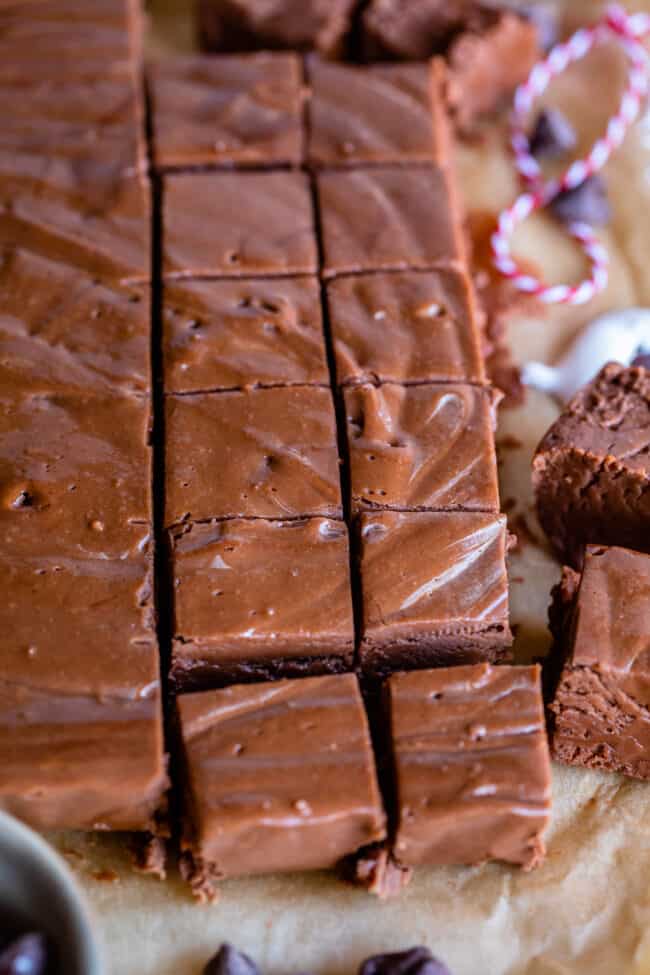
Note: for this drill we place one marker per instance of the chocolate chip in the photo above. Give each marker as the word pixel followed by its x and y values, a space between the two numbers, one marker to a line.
pixel 22 500
pixel 415 961
pixel 553 135
pixel 229 961
pixel 587 203
pixel 26 955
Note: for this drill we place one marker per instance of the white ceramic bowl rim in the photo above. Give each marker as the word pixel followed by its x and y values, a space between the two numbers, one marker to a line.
pixel 34 880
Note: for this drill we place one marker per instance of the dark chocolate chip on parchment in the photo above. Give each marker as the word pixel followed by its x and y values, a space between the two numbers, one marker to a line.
pixel 229 961
pixel 553 135
pixel 415 961
pixel 587 203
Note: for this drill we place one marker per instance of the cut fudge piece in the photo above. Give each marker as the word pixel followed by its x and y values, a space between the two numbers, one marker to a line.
pixel 76 469
pixel 81 741
pixel 215 111
pixel 488 51
pixel 486 62
pixel 377 114
pixel 411 30
pixel 409 326
pixel 472 769
pixel 591 472
pixel 242 25
pixel 422 447
pixel 65 331
pixel 90 216
pixel 601 701
pixel 234 334
pixel 238 224
pixel 434 588
pixel 268 453
pixel 296 787
pixel 260 599
pixel 388 219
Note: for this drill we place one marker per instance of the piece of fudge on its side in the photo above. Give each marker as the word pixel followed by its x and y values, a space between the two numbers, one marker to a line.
pixel 250 25
pixel 279 777
pixel 471 766
pixel 239 110
pixel 600 704
pixel 258 599
pixel 434 590
pixel 591 471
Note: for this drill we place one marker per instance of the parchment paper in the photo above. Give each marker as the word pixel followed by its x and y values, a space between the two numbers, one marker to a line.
pixel 587 910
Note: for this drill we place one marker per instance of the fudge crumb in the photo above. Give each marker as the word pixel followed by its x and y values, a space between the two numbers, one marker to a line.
pixel 375 869
pixel 150 856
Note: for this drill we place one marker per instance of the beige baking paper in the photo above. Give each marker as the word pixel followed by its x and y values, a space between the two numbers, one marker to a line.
pixel 587 910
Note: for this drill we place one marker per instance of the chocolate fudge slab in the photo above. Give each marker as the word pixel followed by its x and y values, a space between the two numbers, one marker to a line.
pixel 266 453
pixel 242 110
pixel 472 769
pixel 296 787
pixel 235 334
pixel 79 121
pixel 377 114
pixel 408 326
pixel 76 469
pixel 382 219
pixel 81 741
pixel 434 590
pixel 422 447
pixel 591 472
pixel 305 25
pixel 67 332
pixel 257 599
pixel 238 225
pixel 410 30
pixel 601 703
pixel 90 216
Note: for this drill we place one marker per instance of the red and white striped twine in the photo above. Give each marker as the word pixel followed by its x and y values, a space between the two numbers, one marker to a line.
pixel 628 29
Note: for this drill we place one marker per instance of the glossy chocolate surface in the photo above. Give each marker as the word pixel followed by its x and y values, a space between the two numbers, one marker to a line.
pixel 238 225
pixel 376 114
pixel 268 453
pixel 472 765
pixel 422 447
pixel 380 219
pixel 434 587
pixel 74 474
pixel 236 334
pixel 254 592
pixel 80 727
pixel 65 331
pixel 408 326
pixel 296 787
pixel 601 702
pixel 240 110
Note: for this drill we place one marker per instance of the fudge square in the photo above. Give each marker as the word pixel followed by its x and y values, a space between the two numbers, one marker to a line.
pixel 373 114
pixel 234 334
pixel 81 736
pixel 601 702
pixel 405 326
pixel 434 589
pixel 422 447
pixel 254 599
pixel 381 219
pixel 591 472
pixel 238 224
pixel 471 762
pixel 224 111
pixel 266 453
pixel 303 25
pixel 280 777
